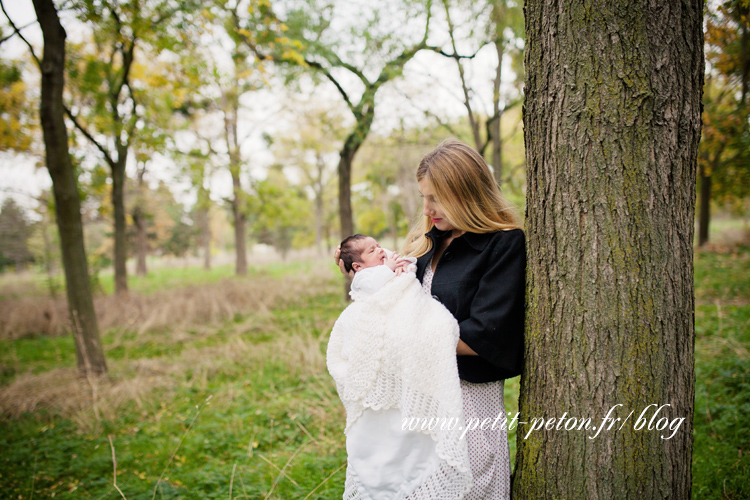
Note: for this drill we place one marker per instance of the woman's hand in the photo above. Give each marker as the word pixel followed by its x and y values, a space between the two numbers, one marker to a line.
pixel 340 263
pixel 463 349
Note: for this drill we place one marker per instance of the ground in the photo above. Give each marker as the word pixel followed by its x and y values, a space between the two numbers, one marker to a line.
pixel 218 385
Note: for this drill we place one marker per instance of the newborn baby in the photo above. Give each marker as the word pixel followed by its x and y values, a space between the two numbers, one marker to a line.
pixel 392 354
pixel 372 265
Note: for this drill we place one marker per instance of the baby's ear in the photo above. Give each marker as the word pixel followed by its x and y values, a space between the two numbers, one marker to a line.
pixel 356 266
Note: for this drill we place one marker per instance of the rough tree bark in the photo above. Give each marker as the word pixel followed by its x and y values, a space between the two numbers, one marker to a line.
pixel 612 124
pixel 65 187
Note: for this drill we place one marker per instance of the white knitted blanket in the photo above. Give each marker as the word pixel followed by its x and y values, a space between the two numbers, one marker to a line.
pixel 396 350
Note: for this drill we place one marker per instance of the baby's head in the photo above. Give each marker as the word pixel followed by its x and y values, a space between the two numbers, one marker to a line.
pixel 360 252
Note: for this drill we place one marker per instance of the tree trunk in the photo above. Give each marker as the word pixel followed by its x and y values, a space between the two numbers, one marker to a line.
pixel 239 227
pixel 319 188
pixel 48 257
pixel 319 221
pixel 118 202
pixel 141 241
pixel 407 183
pixel 704 215
pixel 494 128
pixel 612 125
pixel 744 11
pixel 327 233
pixel 139 219
pixel 231 102
pixel 346 218
pixel 89 352
pixel 351 146
pixel 205 236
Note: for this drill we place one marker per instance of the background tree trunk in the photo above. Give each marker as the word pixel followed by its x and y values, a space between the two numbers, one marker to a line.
pixel 346 159
pixel 612 125
pixel 118 203
pixel 48 257
pixel 231 107
pixel 65 187
pixel 204 225
pixel 139 220
pixel 494 125
pixel 141 241
pixel 239 225
pixel 345 190
pixel 704 214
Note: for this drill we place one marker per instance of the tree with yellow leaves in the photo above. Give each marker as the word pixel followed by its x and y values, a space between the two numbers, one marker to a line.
pixel 724 158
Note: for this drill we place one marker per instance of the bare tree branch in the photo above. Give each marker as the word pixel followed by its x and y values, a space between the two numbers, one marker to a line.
pixel 86 133
pixel 473 123
pixel 327 74
pixel 17 31
pixel 455 55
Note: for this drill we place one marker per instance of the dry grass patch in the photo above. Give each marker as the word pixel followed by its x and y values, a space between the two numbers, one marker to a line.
pixel 174 309
pixel 62 392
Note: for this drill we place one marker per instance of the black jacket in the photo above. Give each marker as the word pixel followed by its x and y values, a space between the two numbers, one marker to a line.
pixel 480 279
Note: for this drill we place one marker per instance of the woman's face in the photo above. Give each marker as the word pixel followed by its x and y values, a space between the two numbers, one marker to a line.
pixel 432 208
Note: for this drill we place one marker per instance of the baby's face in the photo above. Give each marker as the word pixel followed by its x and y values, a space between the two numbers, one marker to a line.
pixel 372 255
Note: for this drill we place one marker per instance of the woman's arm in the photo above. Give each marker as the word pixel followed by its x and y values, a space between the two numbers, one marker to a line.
pixel 494 328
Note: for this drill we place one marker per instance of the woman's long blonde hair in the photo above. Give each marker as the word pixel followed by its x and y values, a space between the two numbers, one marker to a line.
pixel 466 192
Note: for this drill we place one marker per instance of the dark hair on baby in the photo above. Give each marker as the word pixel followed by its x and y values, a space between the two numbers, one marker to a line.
pixel 350 251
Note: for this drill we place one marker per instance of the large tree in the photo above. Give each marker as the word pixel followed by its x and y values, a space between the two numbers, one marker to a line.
pixel 109 101
pixel 65 187
pixel 612 125
pixel 357 52
pixel 724 159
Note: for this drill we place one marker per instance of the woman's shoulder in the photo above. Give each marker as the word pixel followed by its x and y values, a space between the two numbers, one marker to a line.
pixel 510 236
pixel 511 239
pixel 508 233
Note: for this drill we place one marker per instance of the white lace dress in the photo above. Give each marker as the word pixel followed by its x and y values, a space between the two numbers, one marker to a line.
pixel 489 455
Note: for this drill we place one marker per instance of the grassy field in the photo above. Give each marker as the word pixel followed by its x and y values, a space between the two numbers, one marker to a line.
pixel 218 388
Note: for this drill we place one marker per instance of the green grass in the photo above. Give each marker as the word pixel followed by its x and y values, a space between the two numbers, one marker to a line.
pixel 721 453
pixel 254 414
pixel 35 355
pixel 722 277
pixel 721 447
pixel 256 391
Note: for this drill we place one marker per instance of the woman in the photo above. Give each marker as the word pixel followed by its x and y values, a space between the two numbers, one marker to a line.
pixel 471 256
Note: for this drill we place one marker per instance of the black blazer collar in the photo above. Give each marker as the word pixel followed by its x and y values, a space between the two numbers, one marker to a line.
pixel 477 241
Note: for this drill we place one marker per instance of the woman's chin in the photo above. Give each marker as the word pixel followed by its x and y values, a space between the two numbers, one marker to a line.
pixel 443 225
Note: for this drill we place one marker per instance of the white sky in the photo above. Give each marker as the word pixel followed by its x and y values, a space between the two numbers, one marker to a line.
pixel 430 79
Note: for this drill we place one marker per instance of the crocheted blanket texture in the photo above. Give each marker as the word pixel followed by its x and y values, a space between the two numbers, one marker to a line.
pixel 397 349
